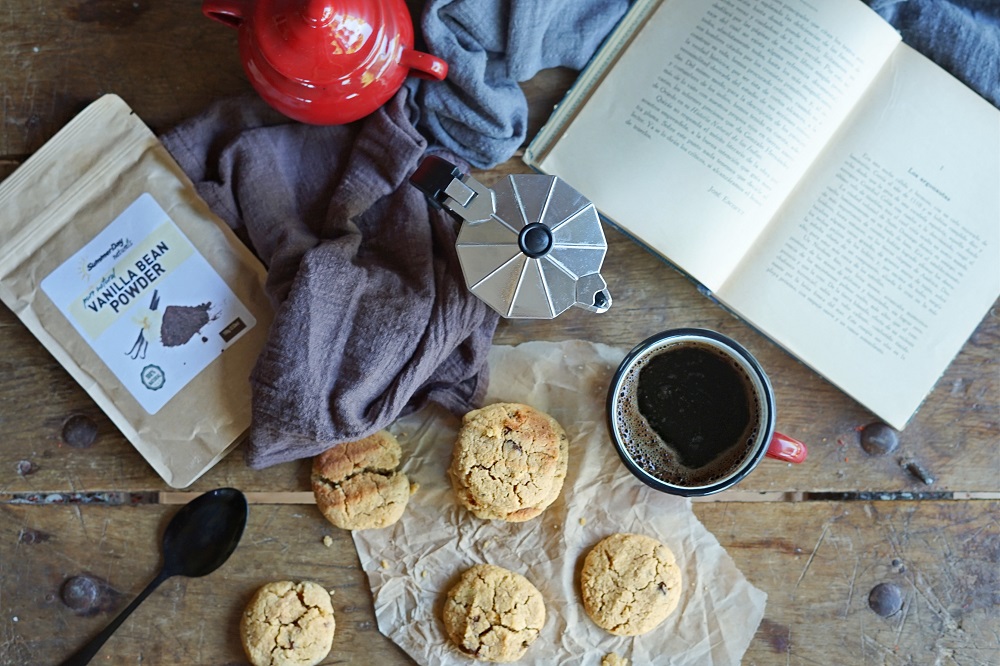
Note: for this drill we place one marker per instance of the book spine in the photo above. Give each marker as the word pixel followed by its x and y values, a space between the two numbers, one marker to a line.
pixel 605 57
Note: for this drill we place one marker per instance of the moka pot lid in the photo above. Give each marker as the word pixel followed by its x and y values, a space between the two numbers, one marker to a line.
pixel 530 247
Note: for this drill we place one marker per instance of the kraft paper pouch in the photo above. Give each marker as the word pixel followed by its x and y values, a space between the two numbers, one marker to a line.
pixel 150 301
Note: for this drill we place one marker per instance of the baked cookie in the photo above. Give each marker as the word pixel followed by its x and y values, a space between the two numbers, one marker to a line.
pixel 509 462
pixel 613 659
pixel 630 583
pixel 357 485
pixel 288 624
pixel 493 614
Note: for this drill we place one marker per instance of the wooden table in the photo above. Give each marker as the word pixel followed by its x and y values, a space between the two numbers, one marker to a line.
pixel 817 538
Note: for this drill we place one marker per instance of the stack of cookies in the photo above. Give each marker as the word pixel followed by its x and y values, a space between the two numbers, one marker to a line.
pixel 509 462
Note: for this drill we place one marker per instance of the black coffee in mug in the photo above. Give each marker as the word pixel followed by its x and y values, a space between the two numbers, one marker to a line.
pixel 694 414
pixel 691 413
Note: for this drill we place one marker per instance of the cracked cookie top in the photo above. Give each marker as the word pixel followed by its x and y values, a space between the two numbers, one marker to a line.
pixel 630 583
pixel 509 462
pixel 493 614
pixel 288 624
pixel 357 485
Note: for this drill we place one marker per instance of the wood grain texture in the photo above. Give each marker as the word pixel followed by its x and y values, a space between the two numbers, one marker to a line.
pixel 68 511
pixel 817 561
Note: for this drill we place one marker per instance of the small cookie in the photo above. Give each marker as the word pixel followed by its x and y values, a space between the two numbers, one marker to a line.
pixel 509 462
pixel 288 624
pixel 357 485
pixel 630 583
pixel 493 614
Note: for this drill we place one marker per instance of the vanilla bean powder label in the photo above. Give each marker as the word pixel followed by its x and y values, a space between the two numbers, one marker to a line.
pixel 148 303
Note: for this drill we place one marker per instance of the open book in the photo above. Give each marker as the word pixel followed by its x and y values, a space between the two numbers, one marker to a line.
pixel 827 183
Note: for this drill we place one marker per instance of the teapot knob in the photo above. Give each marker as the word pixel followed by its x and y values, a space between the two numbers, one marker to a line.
pixel 318 12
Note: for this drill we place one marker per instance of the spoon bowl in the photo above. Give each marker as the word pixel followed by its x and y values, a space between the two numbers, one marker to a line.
pixel 198 540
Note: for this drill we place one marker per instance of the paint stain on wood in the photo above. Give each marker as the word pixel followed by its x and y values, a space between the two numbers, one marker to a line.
pixel 778 636
pixel 108 13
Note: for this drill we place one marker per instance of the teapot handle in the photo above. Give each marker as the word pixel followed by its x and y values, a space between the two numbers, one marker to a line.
pixel 226 12
pixel 424 65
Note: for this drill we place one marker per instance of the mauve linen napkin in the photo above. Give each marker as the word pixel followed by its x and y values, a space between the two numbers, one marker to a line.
pixel 373 318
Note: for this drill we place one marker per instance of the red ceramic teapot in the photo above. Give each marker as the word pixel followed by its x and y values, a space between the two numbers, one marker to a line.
pixel 326 62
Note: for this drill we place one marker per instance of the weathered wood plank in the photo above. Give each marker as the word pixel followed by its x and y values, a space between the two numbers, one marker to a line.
pixel 818 562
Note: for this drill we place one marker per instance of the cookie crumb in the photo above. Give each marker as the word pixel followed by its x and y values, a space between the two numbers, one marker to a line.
pixel 414 487
pixel 583 521
pixel 385 564
pixel 612 659
pixel 327 540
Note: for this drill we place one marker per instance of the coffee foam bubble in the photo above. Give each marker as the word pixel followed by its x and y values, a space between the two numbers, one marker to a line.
pixel 648 450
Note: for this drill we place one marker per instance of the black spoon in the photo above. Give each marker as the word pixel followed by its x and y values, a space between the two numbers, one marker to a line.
pixel 198 540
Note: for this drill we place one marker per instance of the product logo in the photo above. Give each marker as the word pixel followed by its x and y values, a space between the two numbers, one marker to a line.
pixel 115 250
pixel 153 377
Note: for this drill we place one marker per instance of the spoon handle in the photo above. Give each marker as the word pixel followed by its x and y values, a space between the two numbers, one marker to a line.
pixel 87 652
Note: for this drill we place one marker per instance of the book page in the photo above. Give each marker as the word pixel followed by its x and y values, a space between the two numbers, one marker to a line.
pixel 710 116
pixel 888 256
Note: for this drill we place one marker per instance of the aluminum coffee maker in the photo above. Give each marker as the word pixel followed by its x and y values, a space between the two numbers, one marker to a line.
pixel 531 247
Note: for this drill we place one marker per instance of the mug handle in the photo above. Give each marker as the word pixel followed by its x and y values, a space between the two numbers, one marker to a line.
pixel 226 12
pixel 783 447
pixel 424 65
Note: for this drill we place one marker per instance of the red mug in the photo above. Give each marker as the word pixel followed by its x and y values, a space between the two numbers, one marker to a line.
pixel 691 412
pixel 326 62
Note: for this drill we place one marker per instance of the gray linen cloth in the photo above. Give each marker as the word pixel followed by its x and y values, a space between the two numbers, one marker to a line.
pixel 480 112
pixel 373 318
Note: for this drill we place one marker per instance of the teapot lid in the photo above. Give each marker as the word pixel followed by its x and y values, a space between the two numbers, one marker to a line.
pixel 320 41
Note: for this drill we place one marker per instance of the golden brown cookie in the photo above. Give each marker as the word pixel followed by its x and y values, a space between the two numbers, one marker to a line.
pixel 493 614
pixel 357 485
pixel 630 583
pixel 509 462
pixel 288 624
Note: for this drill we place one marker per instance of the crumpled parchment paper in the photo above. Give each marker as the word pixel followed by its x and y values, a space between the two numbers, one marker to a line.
pixel 412 564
